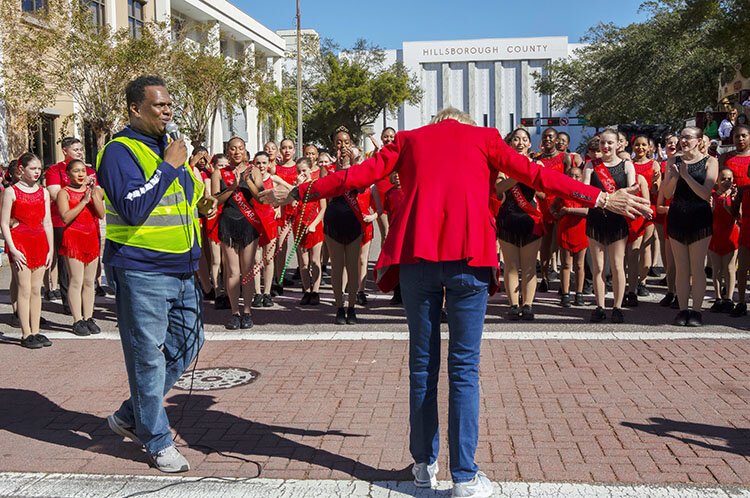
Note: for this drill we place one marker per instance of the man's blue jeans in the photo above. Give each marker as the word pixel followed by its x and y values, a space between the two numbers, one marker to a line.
pixel 422 288
pixel 159 318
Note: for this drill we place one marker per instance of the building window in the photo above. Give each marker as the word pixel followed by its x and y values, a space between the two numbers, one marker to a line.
pixel 96 8
pixel 135 18
pixel 34 6
pixel 42 139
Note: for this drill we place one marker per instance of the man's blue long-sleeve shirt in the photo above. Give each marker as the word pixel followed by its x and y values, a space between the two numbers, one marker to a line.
pixel 134 198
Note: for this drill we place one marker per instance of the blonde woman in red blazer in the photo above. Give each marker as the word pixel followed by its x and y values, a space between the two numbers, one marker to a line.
pixel 445 240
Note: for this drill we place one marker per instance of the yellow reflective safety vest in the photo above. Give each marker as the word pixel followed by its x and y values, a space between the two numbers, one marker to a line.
pixel 173 225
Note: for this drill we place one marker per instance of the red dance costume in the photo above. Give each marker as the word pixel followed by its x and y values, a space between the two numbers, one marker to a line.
pixel 304 220
pixel 211 225
pixel 81 238
pixel 267 216
pixel 364 200
pixel 726 233
pixel 646 170
pixel 745 220
pixel 556 163
pixel 29 236
pixel 288 174
pixel 394 198
pixel 571 230
pixel 739 166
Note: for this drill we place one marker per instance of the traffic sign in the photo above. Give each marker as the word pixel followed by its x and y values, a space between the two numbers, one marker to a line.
pixel 564 121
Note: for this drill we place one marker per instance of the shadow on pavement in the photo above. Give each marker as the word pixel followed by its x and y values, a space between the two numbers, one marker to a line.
pixel 30 414
pixel 214 431
pixel 737 441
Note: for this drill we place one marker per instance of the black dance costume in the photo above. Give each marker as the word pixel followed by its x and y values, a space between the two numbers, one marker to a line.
pixel 234 229
pixel 689 218
pixel 603 226
pixel 514 225
pixel 340 223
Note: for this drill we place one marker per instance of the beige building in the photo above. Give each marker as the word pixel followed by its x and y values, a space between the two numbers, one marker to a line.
pixel 233 32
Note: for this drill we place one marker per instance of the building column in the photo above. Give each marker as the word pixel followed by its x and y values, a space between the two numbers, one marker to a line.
pixel 524 88
pixel 500 121
pixel 251 110
pixel 276 66
pixel 445 70
pixel 162 10
pixel 470 92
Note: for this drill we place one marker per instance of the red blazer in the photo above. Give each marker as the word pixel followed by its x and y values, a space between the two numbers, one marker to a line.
pixel 445 171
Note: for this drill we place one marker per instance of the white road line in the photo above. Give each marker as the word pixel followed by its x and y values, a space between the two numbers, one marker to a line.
pixel 83 486
pixel 364 335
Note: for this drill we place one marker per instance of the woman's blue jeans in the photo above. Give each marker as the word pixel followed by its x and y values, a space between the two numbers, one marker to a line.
pixel 424 285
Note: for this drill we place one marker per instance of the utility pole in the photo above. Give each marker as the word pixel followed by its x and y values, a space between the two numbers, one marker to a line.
pixel 299 83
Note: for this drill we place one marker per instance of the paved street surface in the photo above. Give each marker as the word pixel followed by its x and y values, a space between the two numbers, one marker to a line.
pixel 568 408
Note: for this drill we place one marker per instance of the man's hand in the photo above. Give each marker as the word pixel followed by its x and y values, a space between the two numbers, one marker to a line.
pixel 626 202
pixel 278 195
pixel 176 153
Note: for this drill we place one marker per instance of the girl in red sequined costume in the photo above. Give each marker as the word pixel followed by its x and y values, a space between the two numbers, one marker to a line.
pixel 308 217
pixel 81 206
pixel 27 229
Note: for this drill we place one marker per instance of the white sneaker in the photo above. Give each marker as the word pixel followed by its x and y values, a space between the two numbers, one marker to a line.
pixel 479 487
pixel 170 460
pixel 425 476
pixel 121 428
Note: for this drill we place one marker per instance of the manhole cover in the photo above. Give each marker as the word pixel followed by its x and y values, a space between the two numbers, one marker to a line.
pixel 212 379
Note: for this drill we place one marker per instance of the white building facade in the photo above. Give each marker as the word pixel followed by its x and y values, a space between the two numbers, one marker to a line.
pixel 491 79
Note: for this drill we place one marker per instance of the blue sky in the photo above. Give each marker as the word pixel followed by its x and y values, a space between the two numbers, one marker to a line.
pixel 389 23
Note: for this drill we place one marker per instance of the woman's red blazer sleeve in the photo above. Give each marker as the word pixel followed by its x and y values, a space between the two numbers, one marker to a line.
pixel 520 168
pixel 358 176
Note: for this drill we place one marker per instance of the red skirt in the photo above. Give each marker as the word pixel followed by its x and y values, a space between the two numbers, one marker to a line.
pixel 309 240
pixel 571 233
pixel 367 234
pixel 636 228
pixel 723 243
pixel 32 242
pixel 212 227
pixel 268 221
pixel 80 244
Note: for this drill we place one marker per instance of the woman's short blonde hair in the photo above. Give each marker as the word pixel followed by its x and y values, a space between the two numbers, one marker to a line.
pixel 452 113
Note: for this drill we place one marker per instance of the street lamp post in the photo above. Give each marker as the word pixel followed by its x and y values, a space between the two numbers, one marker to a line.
pixel 299 83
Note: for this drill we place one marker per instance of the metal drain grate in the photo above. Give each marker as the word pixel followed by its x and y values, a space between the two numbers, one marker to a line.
pixel 213 379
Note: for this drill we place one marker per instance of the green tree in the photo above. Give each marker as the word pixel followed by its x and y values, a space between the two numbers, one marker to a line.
pixel 201 80
pixel 27 56
pixel 662 70
pixel 278 107
pixel 351 89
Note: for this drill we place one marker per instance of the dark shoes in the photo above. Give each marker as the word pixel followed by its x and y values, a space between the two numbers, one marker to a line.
pixel 257 301
pixel 527 313
pixel 566 301
pixel 105 290
pixel 617 316
pixel 740 309
pixel 544 285
pixel 314 299
pixel 396 299
pixel 81 328
pixel 31 342
pixel 688 318
pixel 277 290
pixel 727 306
pixel 210 295
pixel 93 327
pixel 42 339
pixel 514 313
pixel 305 299
pixel 246 322
pixel 598 315
pixel 667 300
pixel 234 323
pixel 351 316
pixel 267 301
pixel 340 317
pixel 579 300
pixel 642 290
pixel 361 298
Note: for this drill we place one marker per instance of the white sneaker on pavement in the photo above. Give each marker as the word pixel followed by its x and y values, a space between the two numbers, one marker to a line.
pixel 425 476
pixel 120 428
pixel 479 487
pixel 169 460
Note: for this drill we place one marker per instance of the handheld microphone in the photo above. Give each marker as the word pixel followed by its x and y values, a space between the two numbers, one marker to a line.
pixel 173 131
